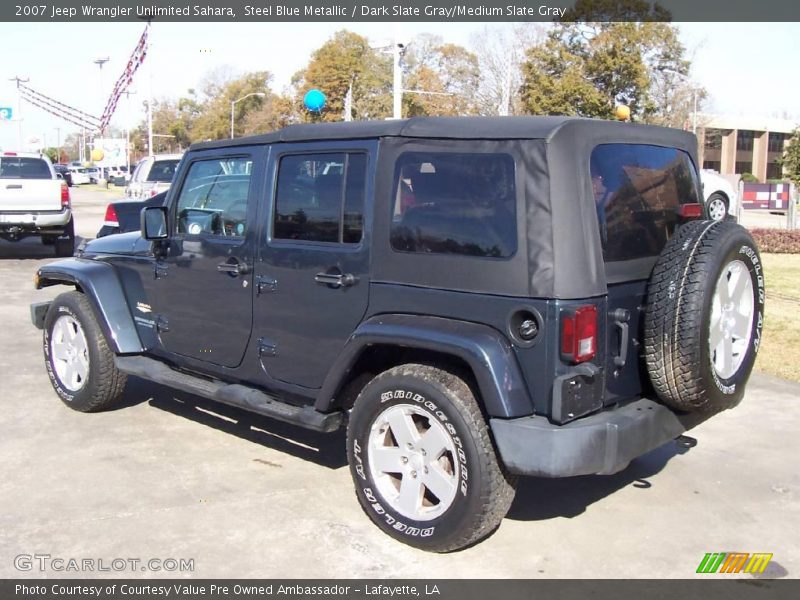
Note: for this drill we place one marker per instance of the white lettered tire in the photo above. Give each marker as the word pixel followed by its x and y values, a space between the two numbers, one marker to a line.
pixel 423 464
pixel 78 360
pixel 704 316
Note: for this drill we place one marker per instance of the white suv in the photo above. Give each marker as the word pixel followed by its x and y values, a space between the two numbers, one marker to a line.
pixel 152 176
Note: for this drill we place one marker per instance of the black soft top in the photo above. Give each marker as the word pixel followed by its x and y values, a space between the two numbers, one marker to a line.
pixel 465 128
pixel 559 251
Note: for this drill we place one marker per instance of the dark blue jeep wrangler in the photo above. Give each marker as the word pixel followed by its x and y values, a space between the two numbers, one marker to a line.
pixel 475 298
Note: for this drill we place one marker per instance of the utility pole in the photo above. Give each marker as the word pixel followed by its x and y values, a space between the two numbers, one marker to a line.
pixel 58 144
pixel 128 128
pixel 19 80
pixel 397 85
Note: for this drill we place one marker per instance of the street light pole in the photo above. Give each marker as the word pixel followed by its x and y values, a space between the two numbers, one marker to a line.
pixel 19 80
pixel 233 105
pixel 100 62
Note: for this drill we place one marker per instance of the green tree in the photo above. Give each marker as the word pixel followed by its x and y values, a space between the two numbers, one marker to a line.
pixel 790 161
pixel 346 62
pixel 443 80
pixel 212 105
pixel 275 112
pixel 52 154
pixel 608 53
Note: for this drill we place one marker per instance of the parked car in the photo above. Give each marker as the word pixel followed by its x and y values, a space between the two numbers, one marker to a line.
pixel 80 175
pixel 122 216
pixel 721 198
pixel 95 174
pixel 34 202
pixel 152 175
pixel 475 299
pixel 65 173
pixel 117 173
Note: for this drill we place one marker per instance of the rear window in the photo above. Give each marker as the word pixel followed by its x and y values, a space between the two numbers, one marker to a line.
pixel 638 190
pixel 19 167
pixel 163 170
pixel 455 203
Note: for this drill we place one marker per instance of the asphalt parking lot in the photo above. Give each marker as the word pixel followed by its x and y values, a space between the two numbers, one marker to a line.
pixel 169 475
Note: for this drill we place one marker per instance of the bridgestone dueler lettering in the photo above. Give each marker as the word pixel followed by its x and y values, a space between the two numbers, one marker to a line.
pixel 696 269
pixel 484 490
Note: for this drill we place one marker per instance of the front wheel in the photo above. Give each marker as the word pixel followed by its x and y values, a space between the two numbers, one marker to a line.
pixel 424 467
pixel 78 360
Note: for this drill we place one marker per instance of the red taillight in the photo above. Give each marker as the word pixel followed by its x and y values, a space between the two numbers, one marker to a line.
pixel 579 334
pixel 111 216
pixel 9 153
pixel 64 196
pixel 153 193
pixel 691 211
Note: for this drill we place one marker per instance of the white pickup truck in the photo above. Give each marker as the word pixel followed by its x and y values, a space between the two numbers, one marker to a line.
pixel 34 202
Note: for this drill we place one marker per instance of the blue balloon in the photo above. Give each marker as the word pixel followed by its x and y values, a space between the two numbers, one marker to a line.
pixel 314 100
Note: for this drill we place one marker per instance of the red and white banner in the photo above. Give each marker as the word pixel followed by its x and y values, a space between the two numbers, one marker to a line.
pixel 120 87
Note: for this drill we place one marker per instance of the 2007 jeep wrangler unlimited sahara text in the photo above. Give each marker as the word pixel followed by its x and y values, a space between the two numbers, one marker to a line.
pixel 475 298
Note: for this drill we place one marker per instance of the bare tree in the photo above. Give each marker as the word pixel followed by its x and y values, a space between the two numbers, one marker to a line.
pixel 501 51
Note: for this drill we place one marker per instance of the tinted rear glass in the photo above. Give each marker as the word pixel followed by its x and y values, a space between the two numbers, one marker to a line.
pixel 638 190
pixel 19 167
pixel 448 203
pixel 163 170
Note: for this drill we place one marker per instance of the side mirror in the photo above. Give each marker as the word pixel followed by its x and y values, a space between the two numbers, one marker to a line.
pixel 153 223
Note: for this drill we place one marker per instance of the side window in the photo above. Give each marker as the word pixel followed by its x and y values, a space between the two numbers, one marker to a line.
pixel 214 196
pixel 320 198
pixel 638 190
pixel 447 203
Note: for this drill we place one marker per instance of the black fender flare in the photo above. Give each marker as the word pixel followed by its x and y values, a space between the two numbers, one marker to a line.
pixel 486 351
pixel 101 285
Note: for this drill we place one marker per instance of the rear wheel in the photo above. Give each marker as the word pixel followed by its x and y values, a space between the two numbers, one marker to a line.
pixel 78 360
pixel 705 312
pixel 424 467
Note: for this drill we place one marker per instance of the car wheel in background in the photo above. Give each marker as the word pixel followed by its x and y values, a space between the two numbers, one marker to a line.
pixel 717 207
pixel 65 244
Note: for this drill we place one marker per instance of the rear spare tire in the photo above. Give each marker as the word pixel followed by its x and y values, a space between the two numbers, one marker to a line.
pixel 704 315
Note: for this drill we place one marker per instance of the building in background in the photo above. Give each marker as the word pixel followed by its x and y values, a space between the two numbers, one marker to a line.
pixel 738 145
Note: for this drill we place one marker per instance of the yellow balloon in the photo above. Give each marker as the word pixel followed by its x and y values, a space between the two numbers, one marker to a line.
pixel 623 112
pixel 97 155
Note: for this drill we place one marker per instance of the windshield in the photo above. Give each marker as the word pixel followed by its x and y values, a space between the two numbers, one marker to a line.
pixel 163 170
pixel 18 167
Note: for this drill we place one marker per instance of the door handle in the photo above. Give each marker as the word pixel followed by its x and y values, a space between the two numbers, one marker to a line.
pixel 234 267
pixel 336 281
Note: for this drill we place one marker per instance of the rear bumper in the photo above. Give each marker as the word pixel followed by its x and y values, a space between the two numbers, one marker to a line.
pixel 35 220
pixel 602 443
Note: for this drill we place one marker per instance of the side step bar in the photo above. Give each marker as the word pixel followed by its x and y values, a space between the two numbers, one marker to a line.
pixel 234 394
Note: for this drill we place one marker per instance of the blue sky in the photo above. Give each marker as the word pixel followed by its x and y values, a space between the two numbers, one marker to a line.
pixel 742 65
